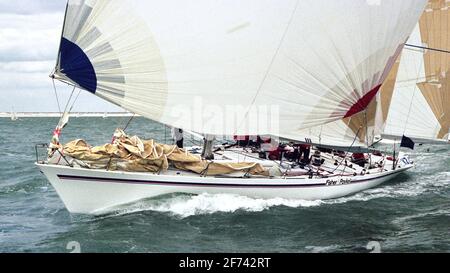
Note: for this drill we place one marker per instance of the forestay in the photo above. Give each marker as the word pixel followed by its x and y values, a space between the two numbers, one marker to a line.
pixel 235 67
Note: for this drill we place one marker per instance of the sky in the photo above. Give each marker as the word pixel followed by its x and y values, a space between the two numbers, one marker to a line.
pixel 30 31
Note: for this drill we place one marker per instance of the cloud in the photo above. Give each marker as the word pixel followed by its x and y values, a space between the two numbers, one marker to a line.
pixel 30 37
pixel 28 45
pixel 27 66
pixel 31 6
pixel 30 32
pixel 18 80
pixel 43 100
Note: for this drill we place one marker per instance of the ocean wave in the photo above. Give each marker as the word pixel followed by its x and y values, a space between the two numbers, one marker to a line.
pixel 24 185
pixel 186 205
pixel 322 249
pixel 410 188
pixel 441 212
pixel 205 204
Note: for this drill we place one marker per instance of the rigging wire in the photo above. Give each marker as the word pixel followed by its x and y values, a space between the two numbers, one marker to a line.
pixel 129 122
pixel 67 107
pixel 272 62
pixel 76 99
pixel 70 99
pixel 346 153
pixel 418 76
pixel 412 99
pixel 429 48
pixel 56 95
pixel 367 136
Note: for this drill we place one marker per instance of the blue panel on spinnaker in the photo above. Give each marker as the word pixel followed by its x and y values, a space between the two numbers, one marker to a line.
pixel 75 64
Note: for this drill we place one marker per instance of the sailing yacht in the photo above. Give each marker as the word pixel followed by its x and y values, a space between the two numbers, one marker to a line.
pixel 226 68
pixel 14 116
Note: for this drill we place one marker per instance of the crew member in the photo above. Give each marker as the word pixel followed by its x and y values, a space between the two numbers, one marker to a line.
pixel 177 135
pixel 305 151
pixel 317 159
pixel 242 141
pixel 359 159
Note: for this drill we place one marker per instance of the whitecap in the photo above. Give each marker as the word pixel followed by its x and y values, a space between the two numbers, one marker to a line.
pixel 322 249
pixel 441 212
pixel 185 205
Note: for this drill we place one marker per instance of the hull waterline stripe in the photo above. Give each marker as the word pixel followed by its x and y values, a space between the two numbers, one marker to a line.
pixel 187 184
pixel 193 184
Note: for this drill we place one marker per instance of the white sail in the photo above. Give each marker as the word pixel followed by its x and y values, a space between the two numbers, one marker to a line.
pixel 360 130
pixel 236 67
pixel 13 115
pixel 421 102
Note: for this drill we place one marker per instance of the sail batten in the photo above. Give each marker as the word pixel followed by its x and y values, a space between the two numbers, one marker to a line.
pixel 236 67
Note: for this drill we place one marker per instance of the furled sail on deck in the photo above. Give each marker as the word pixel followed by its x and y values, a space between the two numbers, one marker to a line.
pixel 421 102
pixel 235 67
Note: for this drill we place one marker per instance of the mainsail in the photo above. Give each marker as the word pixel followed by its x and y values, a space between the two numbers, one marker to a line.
pixel 421 102
pixel 235 67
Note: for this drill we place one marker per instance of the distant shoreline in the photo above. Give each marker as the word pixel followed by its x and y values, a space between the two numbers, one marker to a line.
pixel 57 115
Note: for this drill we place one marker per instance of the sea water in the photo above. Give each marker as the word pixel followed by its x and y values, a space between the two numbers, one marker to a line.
pixel 408 214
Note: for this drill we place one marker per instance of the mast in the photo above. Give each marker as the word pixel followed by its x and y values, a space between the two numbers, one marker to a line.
pixel 208 143
pixel 13 115
pixel 62 35
pixel 395 159
pixel 367 138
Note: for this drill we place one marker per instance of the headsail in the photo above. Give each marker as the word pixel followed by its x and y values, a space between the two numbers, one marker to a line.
pixel 235 67
pixel 360 130
pixel 421 102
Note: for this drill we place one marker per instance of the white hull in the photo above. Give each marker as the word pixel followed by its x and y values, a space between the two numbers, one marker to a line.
pixel 87 191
